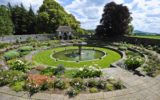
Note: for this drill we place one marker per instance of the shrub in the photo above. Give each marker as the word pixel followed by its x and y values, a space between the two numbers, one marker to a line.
pixel 10 76
pixel 18 86
pixel 36 82
pixel 72 92
pixel 59 70
pixel 53 71
pixel 122 48
pixel 93 90
pixel 11 55
pixel 19 65
pixel 133 62
pixel 49 71
pixel 25 48
pixel 91 83
pixel 109 87
pixel 60 84
pixel 77 83
pixel 118 85
pixel 88 72
pixel 101 84
pixel 3 45
pixel 39 68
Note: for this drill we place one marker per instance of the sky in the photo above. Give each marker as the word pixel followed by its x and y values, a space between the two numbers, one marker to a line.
pixel 145 13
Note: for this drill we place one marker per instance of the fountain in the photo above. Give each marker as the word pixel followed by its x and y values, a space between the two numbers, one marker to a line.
pixel 78 54
pixel 80 44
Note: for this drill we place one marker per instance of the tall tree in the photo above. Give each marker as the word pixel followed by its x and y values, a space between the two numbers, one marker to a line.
pixel 31 19
pixel 115 20
pixel 24 21
pixel 6 25
pixel 51 15
pixel 19 18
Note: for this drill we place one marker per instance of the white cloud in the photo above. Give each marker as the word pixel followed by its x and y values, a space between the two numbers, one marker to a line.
pixel 34 3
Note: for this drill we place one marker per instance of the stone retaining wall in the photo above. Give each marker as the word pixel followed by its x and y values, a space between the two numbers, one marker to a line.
pixel 21 38
pixel 144 41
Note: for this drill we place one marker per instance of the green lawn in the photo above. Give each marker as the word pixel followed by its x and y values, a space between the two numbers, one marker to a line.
pixel 148 36
pixel 44 58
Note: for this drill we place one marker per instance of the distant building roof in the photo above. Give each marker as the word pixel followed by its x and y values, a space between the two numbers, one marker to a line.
pixel 64 29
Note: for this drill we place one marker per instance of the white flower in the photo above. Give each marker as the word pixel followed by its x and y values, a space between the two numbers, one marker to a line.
pixel 81 69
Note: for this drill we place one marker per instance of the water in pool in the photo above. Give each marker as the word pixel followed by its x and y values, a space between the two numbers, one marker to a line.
pixel 73 55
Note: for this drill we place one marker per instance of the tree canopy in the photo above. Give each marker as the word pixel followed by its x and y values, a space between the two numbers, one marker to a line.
pixel 6 25
pixel 23 20
pixel 47 19
pixel 51 15
pixel 115 21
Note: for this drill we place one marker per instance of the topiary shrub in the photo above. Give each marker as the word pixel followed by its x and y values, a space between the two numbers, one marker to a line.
pixel 109 87
pixel 11 55
pixel 93 90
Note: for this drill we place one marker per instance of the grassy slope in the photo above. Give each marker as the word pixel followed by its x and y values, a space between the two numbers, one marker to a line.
pixel 44 58
pixel 148 36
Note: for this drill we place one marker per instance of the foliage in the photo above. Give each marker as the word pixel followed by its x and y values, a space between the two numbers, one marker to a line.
pixel 11 76
pixel 18 86
pixel 51 15
pixel 59 70
pixel 91 83
pixel 109 87
pixel 23 20
pixel 101 84
pixel 115 21
pixel 11 55
pixel 25 48
pixel 77 83
pixel 133 62
pixel 72 92
pixel 88 72
pixel 36 82
pixel 118 85
pixel 6 25
pixel 60 84
pixel 3 45
pixel 19 65
pixel 53 71
pixel 93 90
pixel 49 71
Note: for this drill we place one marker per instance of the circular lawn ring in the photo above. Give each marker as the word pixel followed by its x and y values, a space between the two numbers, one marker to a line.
pixel 46 57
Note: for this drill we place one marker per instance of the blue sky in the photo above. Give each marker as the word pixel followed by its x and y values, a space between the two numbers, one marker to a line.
pixel 145 13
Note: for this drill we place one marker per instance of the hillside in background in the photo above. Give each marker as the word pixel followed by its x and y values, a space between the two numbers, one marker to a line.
pixel 137 32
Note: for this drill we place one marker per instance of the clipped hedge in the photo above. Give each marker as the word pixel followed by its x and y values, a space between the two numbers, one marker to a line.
pixel 11 55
